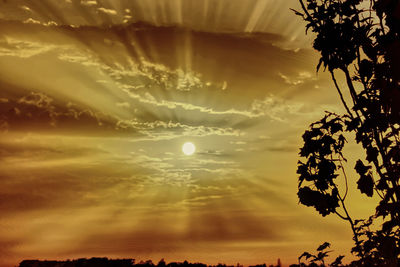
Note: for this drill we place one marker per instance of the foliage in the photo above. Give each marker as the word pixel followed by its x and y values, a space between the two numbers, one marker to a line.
pixel 361 39
pixel 322 148
pixel 322 254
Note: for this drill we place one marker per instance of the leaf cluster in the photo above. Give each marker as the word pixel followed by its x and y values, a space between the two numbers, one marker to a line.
pixel 321 255
pixel 351 36
pixel 323 144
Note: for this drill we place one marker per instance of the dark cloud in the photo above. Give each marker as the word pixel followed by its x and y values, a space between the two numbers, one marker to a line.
pixel 203 230
pixel 248 16
pixel 245 60
pixel 228 226
pixel 48 190
pixel 32 179
pixel 22 110
pixel 7 248
pixel 44 151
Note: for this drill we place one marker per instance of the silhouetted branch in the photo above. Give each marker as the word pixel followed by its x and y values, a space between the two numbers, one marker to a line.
pixel 340 94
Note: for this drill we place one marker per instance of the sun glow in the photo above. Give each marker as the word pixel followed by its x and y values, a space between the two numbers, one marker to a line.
pixel 188 148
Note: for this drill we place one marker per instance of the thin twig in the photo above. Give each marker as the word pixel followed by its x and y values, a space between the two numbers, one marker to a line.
pixel 345 178
pixel 340 94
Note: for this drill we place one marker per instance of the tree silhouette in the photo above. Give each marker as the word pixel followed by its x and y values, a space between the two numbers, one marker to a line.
pixel 361 40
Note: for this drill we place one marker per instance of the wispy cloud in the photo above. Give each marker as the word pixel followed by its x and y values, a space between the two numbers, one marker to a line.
pixel 34 21
pixel 147 98
pixel 26 8
pixel 170 130
pixel 299 79
pixel 37 109
pixel 23 49
pixel 107 11
pixel 88 2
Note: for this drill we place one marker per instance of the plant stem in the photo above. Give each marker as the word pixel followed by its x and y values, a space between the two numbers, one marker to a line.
pixel 340 94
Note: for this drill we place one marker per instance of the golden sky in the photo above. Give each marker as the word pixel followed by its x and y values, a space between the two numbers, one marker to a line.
pixel 97 98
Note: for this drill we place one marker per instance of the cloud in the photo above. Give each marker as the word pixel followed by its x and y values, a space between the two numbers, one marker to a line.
pixel 47 24
pixel 88 2
pixel 187 80
pixel 153 75
pixel 211 153
pixel 300 78
pixel 160 75
pixel 147 98
pixel 200 201
pixel 161 171
pixel 161 130
pixel 166 74
pixel 80 57
pixel 39 111
pixel 107 11
pixel 8 246
pixel 276 108
pixel 123 105
pixel 238 142
pixel 90 112
pixel 23 49
pixel 143 80
pixel 213 162
pixel 26 8
pixel 230 226
pixel 41 173
pixel 224 85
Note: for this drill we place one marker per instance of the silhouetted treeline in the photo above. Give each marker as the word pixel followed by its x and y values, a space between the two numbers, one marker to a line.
pixel 105 262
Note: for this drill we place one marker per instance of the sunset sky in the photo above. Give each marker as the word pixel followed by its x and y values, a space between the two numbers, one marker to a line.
pixel 97 98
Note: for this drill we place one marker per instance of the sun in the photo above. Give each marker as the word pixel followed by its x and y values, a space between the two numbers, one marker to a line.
pixel 188 148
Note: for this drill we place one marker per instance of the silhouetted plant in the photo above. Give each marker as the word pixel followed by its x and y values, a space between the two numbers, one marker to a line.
pixel 320 257
pixel 361 39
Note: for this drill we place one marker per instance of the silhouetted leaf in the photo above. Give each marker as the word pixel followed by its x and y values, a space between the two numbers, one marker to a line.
pixel 372 154
pixel 384 208
pixel 361 168
pixel 366 184
pixel 341 141
pixel 312 5
pixel 357 221
pixel 352 124
pixel 322 255
pixel 394 153
pixel 305 255
pixel 382 184
pixel 388 226
pixel 338 261
pixel 323 246
pixel 366 69
pixel 335 127
pixel 386 142
pixel 307 196
pixel 369 50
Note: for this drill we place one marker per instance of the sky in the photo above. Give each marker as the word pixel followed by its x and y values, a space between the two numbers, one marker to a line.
pixel 97 98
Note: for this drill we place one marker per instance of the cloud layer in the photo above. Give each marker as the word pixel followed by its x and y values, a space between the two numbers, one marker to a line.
pixel 95 106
